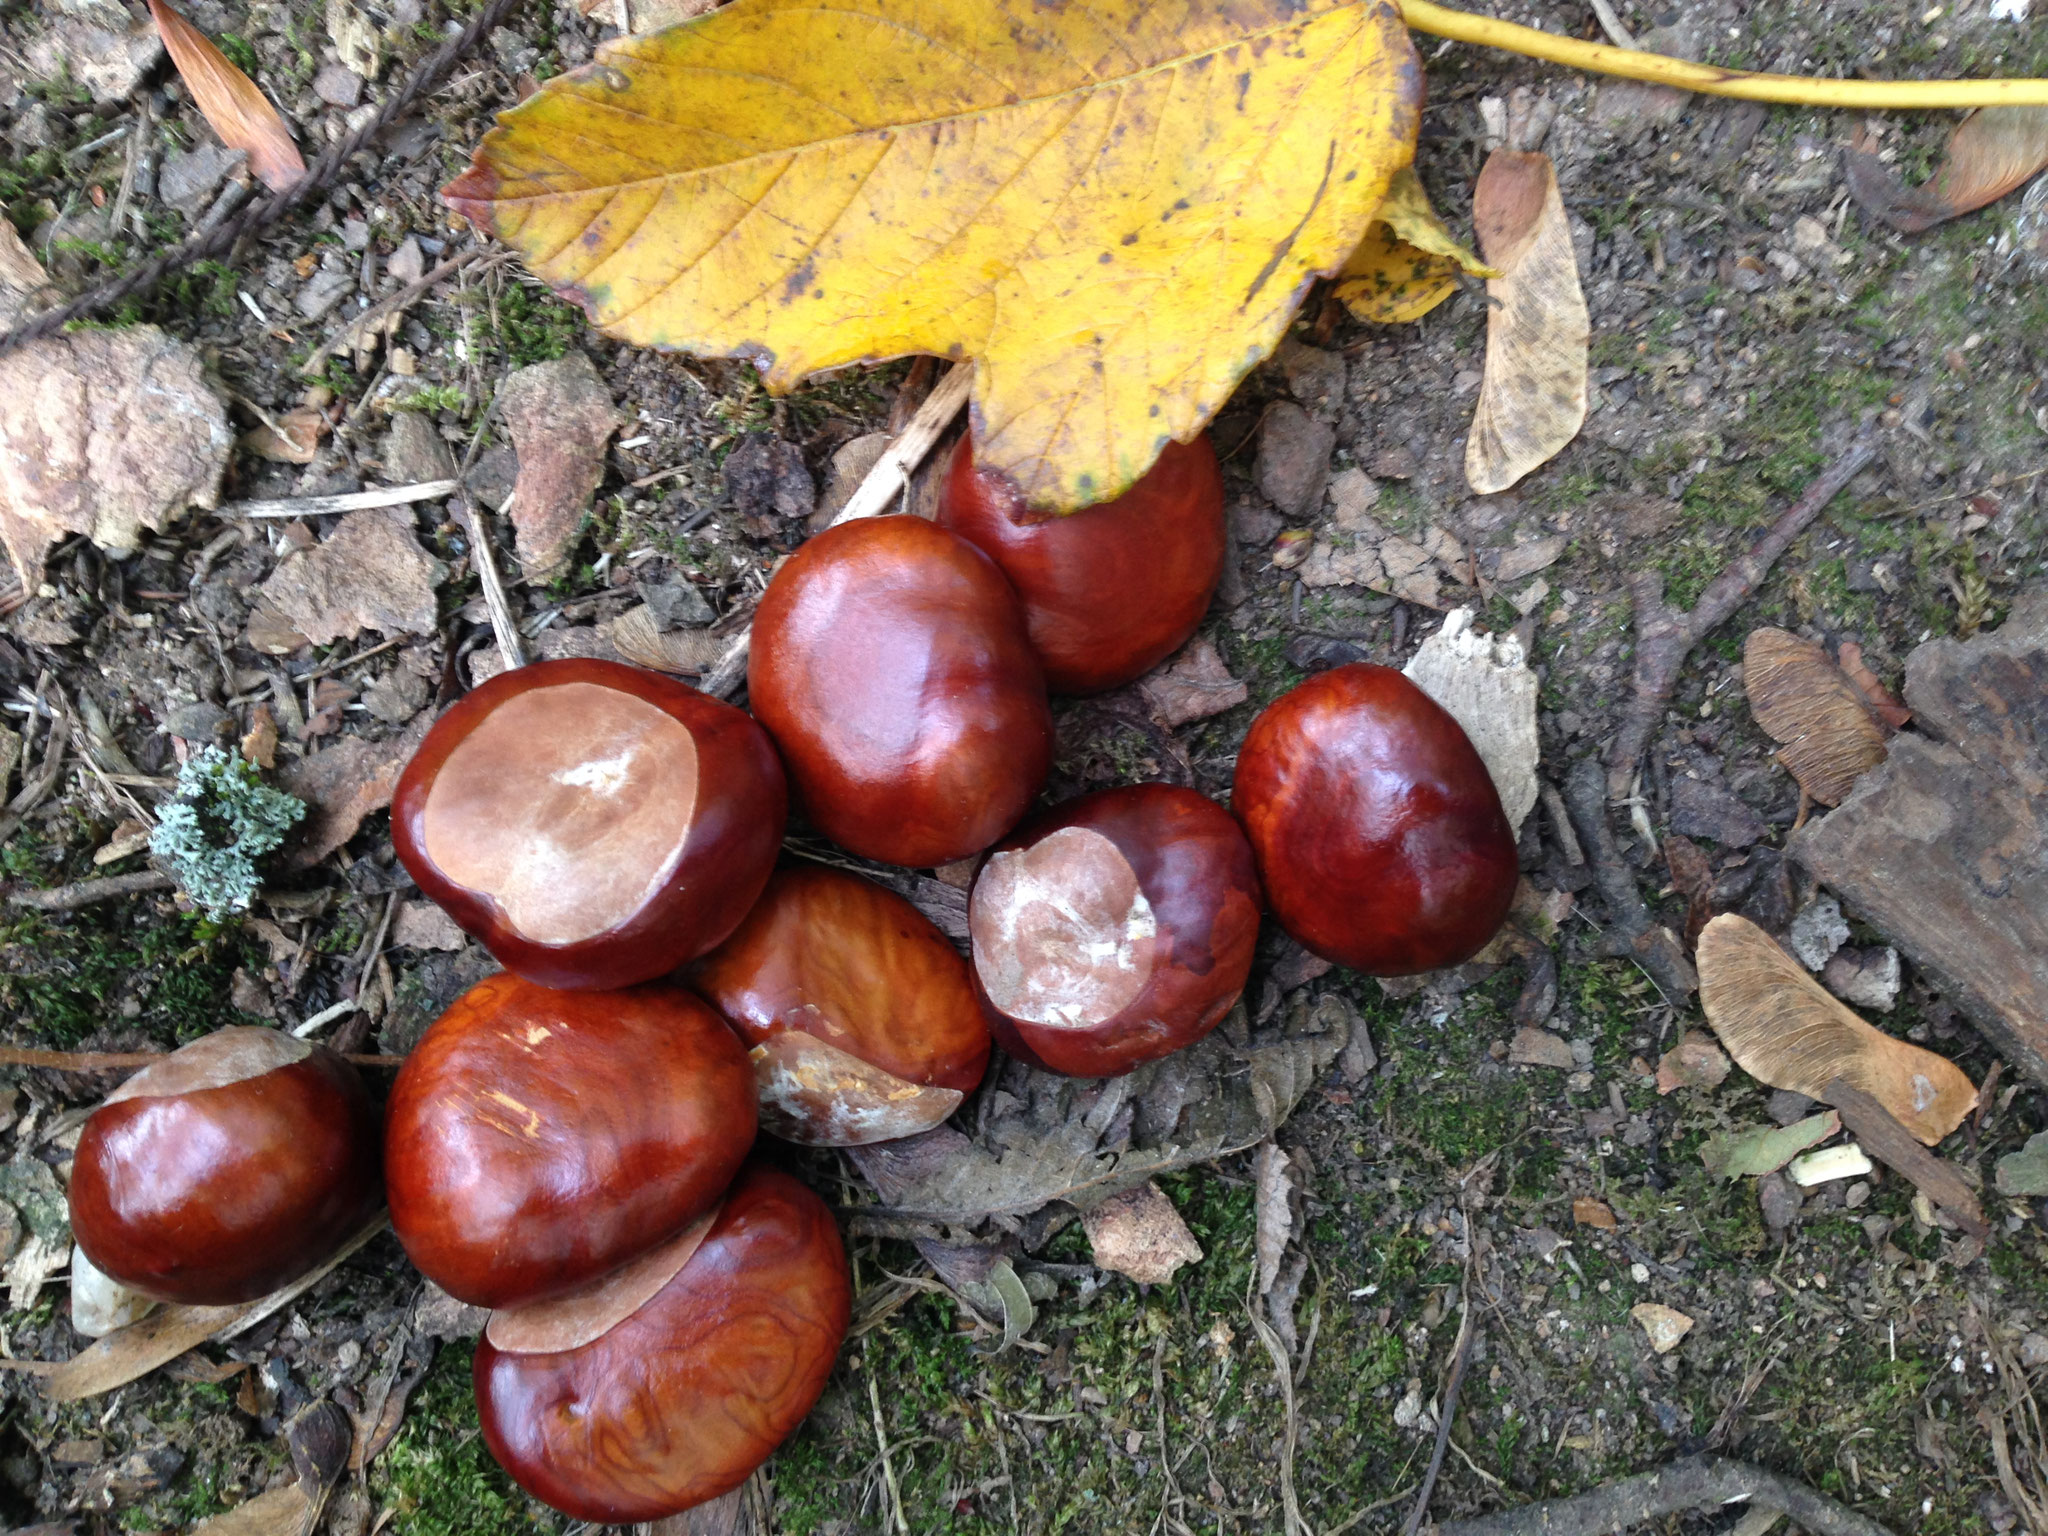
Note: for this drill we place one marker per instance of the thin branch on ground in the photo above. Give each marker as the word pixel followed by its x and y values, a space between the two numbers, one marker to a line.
pixel 352 501
pixel 1664 636
pixel 217 242
pixel 357 331
pixel 1635 935
pixel 894 1513
pixel 86 893
pixel 503 625
pixel 1696 1482
pixel 1447 1409
pixel 876 493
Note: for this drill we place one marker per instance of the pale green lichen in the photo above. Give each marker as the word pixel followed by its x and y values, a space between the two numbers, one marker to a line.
pixel 222 822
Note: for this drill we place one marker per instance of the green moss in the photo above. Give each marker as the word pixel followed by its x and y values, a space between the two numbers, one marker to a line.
pixel 533 326
pixel 439 1476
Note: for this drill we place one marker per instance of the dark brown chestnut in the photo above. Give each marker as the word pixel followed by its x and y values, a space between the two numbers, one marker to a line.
pixel 669 1383
pixel 536 1139
pixel 1380 837
pixel 890 665
pixel 230 1168
pixel 594 824
pixel 858 1013
pixel 1115 929
pixel 1114 589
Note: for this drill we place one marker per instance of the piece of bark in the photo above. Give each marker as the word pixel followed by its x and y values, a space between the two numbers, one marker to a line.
pixel 1880 1134
pixel 1944 848
pixel 1695 1482
pixel 561 416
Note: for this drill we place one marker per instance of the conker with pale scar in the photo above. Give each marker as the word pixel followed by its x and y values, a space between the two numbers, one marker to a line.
pixel 1115 929
pixel 669 1382
pixel 594 824
pixel 230 1168
pixel 890 664
pixel 536 1139
pixel 1380 837
pixel 1114 589
pixel 857 1012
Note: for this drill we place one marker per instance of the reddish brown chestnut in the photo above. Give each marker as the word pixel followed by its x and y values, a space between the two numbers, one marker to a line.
pixel 536 1139
pixel 858 1013
pixel 1112 590
pixel 1116 929
pixel 890 665
pixel 1380 838
pixel 594 824
pixel 228 1169
pixel 669 1383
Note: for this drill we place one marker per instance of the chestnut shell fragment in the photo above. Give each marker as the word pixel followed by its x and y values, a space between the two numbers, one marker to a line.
pixel 537 1138
pixel 231 1168
pixel 1114 589
pixel 890 664
pixel 1380 837
pixel 682 1399
pixel 594 824
pixel 1116 929
pixel 859 1015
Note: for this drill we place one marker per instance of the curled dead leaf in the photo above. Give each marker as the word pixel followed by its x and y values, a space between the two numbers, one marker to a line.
pixel 1785 1029
pixel 1532 397
pixel 1990 154
pixel 1408 262
pixel 1849 655
pixel 1273 1207
pixel 1695 1062
pixel 1807 704
pixel 233 105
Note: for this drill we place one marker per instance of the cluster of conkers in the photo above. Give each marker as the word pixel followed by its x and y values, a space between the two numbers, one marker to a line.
pixel 571 1143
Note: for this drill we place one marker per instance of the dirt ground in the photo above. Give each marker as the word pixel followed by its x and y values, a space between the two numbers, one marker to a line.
pixel 1840 1341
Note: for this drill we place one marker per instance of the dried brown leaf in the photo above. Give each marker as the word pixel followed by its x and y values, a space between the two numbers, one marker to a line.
pixel 1138 1233
pixel 1540 1048
pixel 1191 685
pixel 104 433
pixel 1785 1029
pixel 370 573
pixel 1807 704
pixel 350 780
pixel 1695 1062
pixel 293 438
pixel 1888 709
pixel 233 105
pixel 1993 152
pixel 1693 878
pixel 280 1512
pixel 1532 400
pixel 1588 1212
pixel 1273 1209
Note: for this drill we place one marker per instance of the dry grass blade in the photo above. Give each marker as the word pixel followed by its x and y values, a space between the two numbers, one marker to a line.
pixel 1810 708
pixel 235 108
pixel 1783 1028
pixel 160 1338
pixel 1532 400
pixel 1992 153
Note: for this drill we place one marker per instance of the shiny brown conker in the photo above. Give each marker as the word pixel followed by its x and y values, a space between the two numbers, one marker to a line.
pixel 889 662
pixel 670 1383
pixel 1115 929
pixel 230 1168
pixel 1380 837
pixel 1114 589
pixel 594 824
pixel 536 1139
pixel 857 1012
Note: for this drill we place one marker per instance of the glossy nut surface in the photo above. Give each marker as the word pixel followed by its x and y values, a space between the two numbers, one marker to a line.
pixel 1112 590
pixel 230 1168
pixel 1380 837
pixel 683 1398
pixel 890 664
pixel 594 824
pixel 1116 929
pixel 857 1012
pixel 537 1138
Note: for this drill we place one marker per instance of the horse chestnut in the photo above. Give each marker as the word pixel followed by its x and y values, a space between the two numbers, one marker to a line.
pixel 1114 589
pixel 1116 929
pixel 890 665
pixel 536 1139
pixel 1380 837
pixel 669 1383
pixel 858 1013
pixel 594 824
pixel 233 1166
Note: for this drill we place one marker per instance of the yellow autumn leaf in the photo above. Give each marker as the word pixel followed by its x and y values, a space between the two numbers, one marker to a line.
pixel 1408 262
pixel 1112 206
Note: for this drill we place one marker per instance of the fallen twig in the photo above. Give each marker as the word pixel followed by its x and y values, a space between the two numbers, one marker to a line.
pixel 1447 1410
pixel 353 501
pixel 86 893
pixel 874 496
pixel 1695 1482
pixel 1664 636
pixel 1638 936
pixel 357 330
pixel 502 623
pixel 1879 1133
